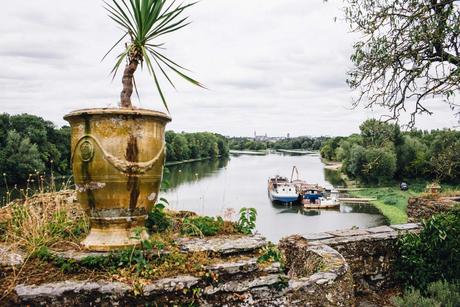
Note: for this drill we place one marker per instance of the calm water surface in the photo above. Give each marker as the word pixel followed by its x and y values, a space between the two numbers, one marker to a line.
pixel 212 187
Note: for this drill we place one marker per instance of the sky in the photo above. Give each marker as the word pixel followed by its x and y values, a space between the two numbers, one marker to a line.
pixel 270 66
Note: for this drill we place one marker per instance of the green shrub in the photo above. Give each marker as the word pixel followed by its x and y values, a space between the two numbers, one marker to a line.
pixel 202 226
pixel 247 221
pixel 390 200
pixel 440 293
pixel 270 253
pixel 158 220
pixel 431 255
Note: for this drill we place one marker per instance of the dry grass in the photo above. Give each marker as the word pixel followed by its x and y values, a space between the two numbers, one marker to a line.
pixel 43 220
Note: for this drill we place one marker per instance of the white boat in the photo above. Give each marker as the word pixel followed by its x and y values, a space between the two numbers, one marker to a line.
pixel 280 189
pixel 322 202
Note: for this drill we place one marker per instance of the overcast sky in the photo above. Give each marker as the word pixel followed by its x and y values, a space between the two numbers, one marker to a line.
pixel 271 66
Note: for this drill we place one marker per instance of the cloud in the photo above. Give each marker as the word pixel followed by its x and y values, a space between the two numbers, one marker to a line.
pixel 271 66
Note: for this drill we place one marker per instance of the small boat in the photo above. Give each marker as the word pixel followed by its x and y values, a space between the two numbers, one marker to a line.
pixel 322 202
pixel 280 189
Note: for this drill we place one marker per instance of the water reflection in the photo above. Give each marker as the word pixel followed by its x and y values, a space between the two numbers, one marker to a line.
pixel 189 172
pixel 213 187
pixel 334 177
pixel 358 208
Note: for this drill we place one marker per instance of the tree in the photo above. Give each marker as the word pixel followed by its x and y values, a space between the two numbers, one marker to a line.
pixel 144 22
pixel 412 158
pixel 180 148
pixel 409 51
pixel 20 158
pixel 378 133
pixel 445 155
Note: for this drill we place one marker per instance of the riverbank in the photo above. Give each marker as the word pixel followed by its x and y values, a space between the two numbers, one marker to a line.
pixel 332 165
pixel 190 161
pixel 298 151
pixel 392 202
pixel 249 152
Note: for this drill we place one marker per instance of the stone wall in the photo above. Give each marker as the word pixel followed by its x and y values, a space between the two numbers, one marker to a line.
pixel 369 252
pixel 315 275
pixel 419 208
pixel 320 269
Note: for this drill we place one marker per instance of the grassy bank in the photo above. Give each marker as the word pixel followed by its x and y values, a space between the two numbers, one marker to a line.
pixel 392 202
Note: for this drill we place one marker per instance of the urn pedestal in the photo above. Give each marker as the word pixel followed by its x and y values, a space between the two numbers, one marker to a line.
pixel 117 161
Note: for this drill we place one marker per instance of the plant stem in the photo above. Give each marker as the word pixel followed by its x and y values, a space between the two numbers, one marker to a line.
pixel 127 81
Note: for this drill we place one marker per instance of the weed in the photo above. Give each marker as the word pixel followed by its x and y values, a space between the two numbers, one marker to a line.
pixel 247 221
pixel 42 221
pixel 433 253
pixel 202 226
pixel 270 253
pixel 158 220
pixel 440 293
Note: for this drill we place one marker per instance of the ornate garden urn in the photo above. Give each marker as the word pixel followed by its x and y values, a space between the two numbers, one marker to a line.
pixel 117 161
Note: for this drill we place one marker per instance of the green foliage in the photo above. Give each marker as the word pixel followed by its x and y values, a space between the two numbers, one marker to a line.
pixel 144 22
pixel 158 220
pixel 187 146
pixel 29 144
pixel 440 293
pixel 202 226
pixel 433 254
pixel 247 220
pixel 381 153
pixel 270 253
pixel 303 142
pixel 390 200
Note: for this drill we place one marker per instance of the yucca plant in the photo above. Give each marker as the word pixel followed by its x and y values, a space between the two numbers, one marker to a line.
pixel 144 22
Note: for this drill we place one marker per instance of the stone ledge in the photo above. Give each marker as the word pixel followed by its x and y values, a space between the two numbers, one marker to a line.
pixel 227 245
pixel 57 289
pixel 409 226
pixel 231 268
pixel 78 256
pixel 317 236
pixel 380 229
pixel 245 285
pixel 363 238
pixel 348 232
pixel 173 284
pixel 9 258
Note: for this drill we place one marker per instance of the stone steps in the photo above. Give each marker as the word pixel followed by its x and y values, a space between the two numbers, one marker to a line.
pixel 243 285
pixel 223 245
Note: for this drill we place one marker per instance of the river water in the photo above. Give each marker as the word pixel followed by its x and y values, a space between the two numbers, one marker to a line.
pixel 221 186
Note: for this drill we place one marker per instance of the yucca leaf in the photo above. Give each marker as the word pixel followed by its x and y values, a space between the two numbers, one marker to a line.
pixel 157 83
pixel 113 47
pixel 164 73
pixel 118 17
pixel 126 18
pixel 183 75
pixel 170 61
pixel 144 21
pixel 135 88
pixel 115 68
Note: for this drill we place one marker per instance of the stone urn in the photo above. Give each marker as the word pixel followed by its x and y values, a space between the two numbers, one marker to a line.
pixel 117 161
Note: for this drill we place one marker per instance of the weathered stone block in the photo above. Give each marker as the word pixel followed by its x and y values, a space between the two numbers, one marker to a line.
pixel 226 245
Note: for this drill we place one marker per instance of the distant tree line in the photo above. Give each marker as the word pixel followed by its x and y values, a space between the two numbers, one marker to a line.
pixel 303 142
pixel 199 145
pixel 381 152
pixel 30 144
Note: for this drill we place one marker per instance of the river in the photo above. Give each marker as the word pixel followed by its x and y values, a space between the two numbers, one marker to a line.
pixel 214 187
